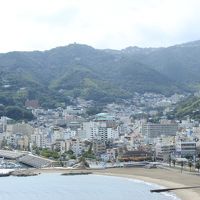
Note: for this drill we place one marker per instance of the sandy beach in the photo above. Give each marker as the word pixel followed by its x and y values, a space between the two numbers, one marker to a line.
pixel 164 177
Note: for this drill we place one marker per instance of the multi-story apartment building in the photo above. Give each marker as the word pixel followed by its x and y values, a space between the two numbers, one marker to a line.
pixel 99 131
pixel 90 130
pixel 98 147
pixel 77 146
pixel 22 128
pixel 186 148
pixel 174 150
pixel 59 145
pixel 151 130
pixel 41 140
pixel 165 151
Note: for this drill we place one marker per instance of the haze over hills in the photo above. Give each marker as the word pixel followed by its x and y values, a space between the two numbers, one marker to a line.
pixel 180 63
pixel 101 75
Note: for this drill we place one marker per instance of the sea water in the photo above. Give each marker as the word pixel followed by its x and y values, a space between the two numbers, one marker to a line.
pixel 78 187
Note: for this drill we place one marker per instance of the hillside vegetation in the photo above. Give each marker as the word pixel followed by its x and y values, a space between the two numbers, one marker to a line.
pixel 188 108
pixel 56 75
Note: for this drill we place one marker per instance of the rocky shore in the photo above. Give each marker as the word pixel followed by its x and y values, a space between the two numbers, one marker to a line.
pixel 76 173
pixel 24 173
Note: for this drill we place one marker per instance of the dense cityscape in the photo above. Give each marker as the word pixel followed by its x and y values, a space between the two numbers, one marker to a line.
pixel 135 130
pixel 100 100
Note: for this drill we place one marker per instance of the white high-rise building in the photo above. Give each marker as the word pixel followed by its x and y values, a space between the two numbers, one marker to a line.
pixel 77 146
pixel 91 130
pixel 112 133
pixel 99 131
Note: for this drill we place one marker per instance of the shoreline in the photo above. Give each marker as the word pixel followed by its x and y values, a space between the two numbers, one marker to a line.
pixel 179 194
pixel 160 177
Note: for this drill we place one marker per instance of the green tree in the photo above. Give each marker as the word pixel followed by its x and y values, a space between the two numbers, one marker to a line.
pixel 198 166
pixel 83 161
pixel 170 160
pixel 49 154
pixel 14 112
pixel 2 110
pixel 174 162
pixel 182 164
pixel 72 157
pixel 18 113
pixel 89 153
pixel 94 110
pixel 69 152
pixel 190 165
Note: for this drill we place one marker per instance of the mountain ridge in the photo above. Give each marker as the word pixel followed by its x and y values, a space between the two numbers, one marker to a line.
pixel 79 70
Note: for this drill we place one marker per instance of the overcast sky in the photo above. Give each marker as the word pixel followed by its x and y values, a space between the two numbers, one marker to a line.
pixel 116 24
